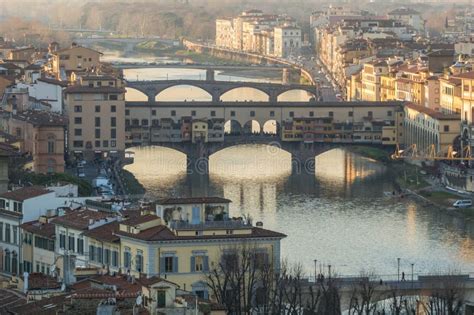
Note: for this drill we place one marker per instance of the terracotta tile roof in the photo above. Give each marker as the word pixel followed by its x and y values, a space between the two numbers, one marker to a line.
pixel 74 47
pixel 147 282
pixel 163 233
pixel 119 281
pixel 432 113
pixel 39 281
pixel 105 232
pixel 80 219
pixel 36 227
pixel 192 200
pixel 467 75
pixel 140 219
pixel 87 89
pixel 53 81
pixel 25 193
pixel 40 118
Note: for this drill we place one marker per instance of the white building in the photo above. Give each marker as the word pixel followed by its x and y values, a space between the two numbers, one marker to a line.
pixel 287 41
pixel 48 90
pixel 408 17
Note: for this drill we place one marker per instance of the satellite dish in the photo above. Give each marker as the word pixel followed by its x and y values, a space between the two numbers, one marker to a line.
pixel 139 300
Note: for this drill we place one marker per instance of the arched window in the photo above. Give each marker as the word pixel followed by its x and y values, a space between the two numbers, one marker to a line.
pixel 7 263
pixel 14 266
pixel 51 143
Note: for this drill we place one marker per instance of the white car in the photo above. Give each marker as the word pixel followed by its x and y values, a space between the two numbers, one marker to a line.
pixel 463 203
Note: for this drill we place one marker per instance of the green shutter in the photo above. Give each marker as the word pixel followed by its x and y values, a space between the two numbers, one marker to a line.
pixel 193 264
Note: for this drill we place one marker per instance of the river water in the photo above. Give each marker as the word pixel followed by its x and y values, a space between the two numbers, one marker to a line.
pixel 339 216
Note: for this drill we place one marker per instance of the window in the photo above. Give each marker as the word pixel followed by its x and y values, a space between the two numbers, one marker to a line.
pixel 97 133
pixel 71 243
pixel 78 132
pixel 97 121
pixel 113 143
pixel 169 264
pixel 127 258
pixel 113 97
pixel 80 245
pixel 292 114
pixel 97 108
pixel 107 256
pixel 15 234
pixel 78 144
pixel 446 128
pixel 199 263
pixel 127 112
pixel 153 112
pixel 127 122
pixel 193 113
pixel 389 113
pixel 78 109
pixel 113 108
pixel 18 207
pixel 115 258
pixel 173 113
pixel 213 113
pixel 113 133
pixel 350 114
pixel 252 113
pixel 78 120
pixel 91 253
pixel 97 143
pixel 331 114
pixel 370 114
pixel 62 240
pixel 144 122
pixel 105 143
pixel 272 113
pixel 99 254
pixel 232 113
pixel 1 231
pixel 139 261
pixel 311 114
pixel 113 122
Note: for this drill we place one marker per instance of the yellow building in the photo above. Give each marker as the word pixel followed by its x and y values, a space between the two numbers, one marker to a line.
pixel 388 87
pixel 96 110
pixel 192 241
pixel 38 245
pixel 74 59
pixel 467 99
pixel 425 127
pixel 199 130
pixel 371 80
pixel 450 94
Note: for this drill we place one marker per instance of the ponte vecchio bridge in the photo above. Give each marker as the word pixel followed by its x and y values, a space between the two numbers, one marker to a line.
pixel 144 119
pixel 218 88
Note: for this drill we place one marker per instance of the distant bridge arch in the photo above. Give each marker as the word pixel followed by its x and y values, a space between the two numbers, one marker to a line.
pixel 256 94
pixel 193 93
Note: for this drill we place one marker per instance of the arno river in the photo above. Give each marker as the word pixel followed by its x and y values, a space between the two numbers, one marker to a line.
pixel 340 216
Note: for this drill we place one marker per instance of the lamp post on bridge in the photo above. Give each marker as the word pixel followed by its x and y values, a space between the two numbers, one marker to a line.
pixel 412 265
pixel 398 269
pixel 315 269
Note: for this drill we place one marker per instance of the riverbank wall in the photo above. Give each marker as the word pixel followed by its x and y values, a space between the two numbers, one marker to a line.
pixel 246 57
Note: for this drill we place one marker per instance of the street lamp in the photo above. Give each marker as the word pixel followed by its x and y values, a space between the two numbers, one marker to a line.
pixel 398 269
pixel 315 269
pixel 412 265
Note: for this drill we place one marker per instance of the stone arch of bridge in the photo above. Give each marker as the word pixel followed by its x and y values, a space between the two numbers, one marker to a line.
pixel 281 94
pixel 223 91
pixel 207 92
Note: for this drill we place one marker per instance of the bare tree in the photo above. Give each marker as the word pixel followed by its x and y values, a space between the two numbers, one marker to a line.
pixel 447 295
pixel 363 299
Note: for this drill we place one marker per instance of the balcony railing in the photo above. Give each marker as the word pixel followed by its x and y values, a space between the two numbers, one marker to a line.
pixel 227 224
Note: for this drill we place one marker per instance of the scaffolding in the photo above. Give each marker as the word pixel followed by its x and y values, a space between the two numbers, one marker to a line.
pixel 432 154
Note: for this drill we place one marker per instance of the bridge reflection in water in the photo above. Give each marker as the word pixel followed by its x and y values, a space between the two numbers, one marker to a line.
pixel 342 206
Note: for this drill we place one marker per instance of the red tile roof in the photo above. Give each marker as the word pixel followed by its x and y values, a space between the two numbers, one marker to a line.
pixel 36 227
pixel 25 193
pixel 163 233
pixel 432 113
pixel 467 75
pixel 39 281
pixel 80 219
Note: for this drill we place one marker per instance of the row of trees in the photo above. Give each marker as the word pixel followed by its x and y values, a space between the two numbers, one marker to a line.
pixel 246 281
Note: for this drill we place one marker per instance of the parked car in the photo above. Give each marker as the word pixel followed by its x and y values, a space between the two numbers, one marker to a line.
pixel 463 203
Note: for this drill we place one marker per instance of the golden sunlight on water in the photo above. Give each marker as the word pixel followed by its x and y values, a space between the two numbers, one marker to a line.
pixel 257 162
pixel 158 167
